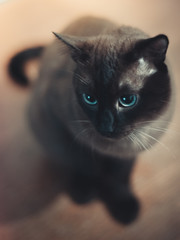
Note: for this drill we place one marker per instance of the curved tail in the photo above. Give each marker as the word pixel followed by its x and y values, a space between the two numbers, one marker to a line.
pixel 17 63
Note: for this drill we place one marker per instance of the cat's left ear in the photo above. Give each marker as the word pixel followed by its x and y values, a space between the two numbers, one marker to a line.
pixel 79 49
pixel 154 48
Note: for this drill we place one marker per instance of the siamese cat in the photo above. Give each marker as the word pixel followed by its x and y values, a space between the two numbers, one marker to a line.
pixel 102 95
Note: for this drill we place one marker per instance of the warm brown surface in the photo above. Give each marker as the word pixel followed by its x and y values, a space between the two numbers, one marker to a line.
pixel 30 207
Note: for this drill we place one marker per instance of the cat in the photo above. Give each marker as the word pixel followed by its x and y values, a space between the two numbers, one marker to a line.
pixel 102 95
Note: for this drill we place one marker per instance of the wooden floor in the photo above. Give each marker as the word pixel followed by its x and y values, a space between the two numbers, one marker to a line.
pixel 30 205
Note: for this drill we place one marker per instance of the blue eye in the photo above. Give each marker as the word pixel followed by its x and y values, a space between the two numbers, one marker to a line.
pixel 128 100
pixel 89 99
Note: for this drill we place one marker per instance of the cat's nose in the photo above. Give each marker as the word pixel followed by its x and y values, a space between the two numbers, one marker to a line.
pixel 106 123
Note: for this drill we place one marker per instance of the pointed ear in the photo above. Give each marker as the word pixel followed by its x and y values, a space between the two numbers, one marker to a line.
pixel 67 40
pixel 78 46
pixel 155 48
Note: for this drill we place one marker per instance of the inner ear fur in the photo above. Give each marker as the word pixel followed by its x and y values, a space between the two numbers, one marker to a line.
pixel 78 46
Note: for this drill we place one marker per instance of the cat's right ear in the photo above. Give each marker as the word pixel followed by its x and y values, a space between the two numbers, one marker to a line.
pixel 79 49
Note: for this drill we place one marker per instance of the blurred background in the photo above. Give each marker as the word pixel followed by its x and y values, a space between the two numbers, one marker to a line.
pixel 30 206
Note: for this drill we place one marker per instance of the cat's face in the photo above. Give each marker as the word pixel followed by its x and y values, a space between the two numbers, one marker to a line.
pixel 119 87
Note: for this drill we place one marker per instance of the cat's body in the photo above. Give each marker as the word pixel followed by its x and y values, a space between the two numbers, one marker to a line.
pixel 101 96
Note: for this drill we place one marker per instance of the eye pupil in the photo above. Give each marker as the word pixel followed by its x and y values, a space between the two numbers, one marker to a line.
pixel 89 99
pixel 128 100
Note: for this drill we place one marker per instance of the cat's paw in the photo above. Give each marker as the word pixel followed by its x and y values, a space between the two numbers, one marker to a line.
pixel 125 209
pixel 81 190
pixel 82 195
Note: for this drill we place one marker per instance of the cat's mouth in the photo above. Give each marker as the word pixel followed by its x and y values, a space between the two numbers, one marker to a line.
pixel 115 134
pixel 103 133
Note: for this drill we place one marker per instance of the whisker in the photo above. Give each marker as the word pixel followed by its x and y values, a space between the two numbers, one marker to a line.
pixel 80 133
pixel 164 146
pixel 139 142
pixel 160 129
pixel 142 143
pixel 132 138
pixel 154 121
pixel 146 138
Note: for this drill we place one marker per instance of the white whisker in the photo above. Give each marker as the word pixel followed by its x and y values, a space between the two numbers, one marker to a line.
pixel 154 121
pixel 81 133
pixel 139 142
pixel 133 139
pixel 160 129
pixel 146 138
pixel 142 143
pixel 164 146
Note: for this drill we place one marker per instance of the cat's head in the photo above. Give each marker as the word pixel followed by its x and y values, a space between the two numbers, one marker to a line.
pixel 119 82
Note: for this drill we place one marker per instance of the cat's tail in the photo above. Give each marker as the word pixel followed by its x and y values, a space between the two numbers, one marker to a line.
pixel 17 64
